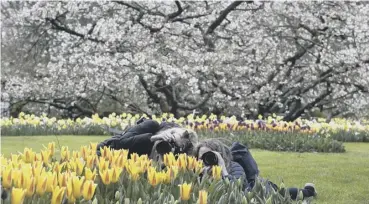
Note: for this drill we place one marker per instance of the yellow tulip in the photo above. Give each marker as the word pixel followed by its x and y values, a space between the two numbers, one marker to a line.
pixel 144 157
pixel 38 157
pixel 41 184
pixel 103 164
pixel 191 163
pixel 171 173
pixel 169 159
pixel 51 181
pixel 65 153
pixel 185 190
pixel 198 166
pixel 203 197
pixel 37 164
pixel 15 157
pixel 124 153
pixel 182 161
pixel 37 170
pixel 93 146
pixel 90 175
pixel 116 174
pixel 70 165
pixel 134 172
pixel 106 176
pixel 26 175
pixel 57 167
pixel 217 172
pixel 7 178
pixel 83 151
pixel 76 155
pixel 90 161
pixel 77 184
pixel 29 185
pixel 105 152
pixel 70 196
pixel 57 195
pixel 135 157
pixel 88 190
pixel 28 155
pixel 63 178
pixel 18 178
pixel 79 167
pixel 51 148
pixel 4 162
pixel 18 195
pixel 152 176
pixel 114 161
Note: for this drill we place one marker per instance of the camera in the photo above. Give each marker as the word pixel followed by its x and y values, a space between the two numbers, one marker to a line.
pixel 210 159
pixel 164 147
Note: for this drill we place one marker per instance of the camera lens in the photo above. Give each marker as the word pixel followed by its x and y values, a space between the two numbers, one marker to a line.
pixel 163 147
pixel 210 159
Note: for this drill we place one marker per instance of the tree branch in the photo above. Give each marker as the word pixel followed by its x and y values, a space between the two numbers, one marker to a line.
pixel 176 13
pixel 293 115
pixel 71 32
pixel 222 16
pixel 208 42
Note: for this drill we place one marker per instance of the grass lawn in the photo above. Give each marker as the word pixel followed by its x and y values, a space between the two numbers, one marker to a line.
pixel 339 178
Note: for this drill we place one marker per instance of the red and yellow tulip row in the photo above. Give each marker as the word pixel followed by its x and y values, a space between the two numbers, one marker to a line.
pixel 30 175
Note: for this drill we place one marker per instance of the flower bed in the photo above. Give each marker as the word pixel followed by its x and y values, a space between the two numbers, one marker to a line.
pixel 340 129
pixel 82 177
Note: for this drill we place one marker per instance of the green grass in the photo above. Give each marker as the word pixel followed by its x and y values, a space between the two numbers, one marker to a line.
pixel 339 178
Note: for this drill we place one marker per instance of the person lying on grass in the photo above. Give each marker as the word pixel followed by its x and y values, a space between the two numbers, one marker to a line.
pixel 236 162
pixel 149 137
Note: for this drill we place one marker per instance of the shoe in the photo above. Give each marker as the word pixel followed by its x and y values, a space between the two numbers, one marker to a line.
pixel 311 188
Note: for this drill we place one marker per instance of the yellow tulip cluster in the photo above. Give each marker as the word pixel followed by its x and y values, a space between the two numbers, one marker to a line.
pixel 338 124
pixel 183 162
pixel 31 174
pixel 74 176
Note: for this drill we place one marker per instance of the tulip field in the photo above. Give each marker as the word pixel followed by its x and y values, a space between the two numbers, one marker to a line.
pixel 56 168
pixel 82 177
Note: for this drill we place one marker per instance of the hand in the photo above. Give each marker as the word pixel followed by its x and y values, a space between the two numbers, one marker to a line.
pixel 170 135
pixel 165 136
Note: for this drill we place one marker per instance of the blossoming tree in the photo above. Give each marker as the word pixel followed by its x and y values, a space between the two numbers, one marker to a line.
pixel 174 56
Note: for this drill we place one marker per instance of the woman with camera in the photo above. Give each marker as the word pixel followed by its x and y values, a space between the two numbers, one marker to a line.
pixel 214 152
pixel 151 138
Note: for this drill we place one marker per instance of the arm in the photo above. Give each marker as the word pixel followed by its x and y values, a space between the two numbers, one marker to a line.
pixel 143 131
pixel 140 144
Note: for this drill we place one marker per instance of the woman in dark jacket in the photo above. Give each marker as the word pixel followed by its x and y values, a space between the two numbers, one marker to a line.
pixel 230 168
pixel 144 137
pixel 214 152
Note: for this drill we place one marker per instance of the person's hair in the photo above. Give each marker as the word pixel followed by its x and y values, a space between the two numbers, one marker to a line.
pixel 217 146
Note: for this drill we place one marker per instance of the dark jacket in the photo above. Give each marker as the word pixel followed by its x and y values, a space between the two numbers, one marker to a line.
pixel 137 138
pixel 243 157
pixel 236 172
